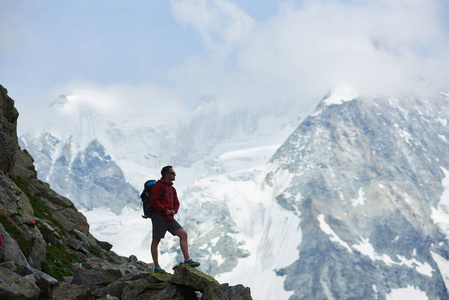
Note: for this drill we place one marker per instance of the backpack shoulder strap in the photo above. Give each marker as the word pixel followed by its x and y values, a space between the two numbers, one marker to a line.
pixel 163 192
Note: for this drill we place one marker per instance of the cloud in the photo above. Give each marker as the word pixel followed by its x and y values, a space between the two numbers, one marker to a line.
pixel 218 22
pixel 70 105
pixel 377 47
pixel 291 58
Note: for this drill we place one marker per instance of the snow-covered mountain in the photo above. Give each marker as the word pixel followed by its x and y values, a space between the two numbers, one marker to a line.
pixel 353 204
pixel 130 150
pixel 366 178
pixel 89 177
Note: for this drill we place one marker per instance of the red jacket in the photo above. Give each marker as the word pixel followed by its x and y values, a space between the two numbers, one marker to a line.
pixel 168 202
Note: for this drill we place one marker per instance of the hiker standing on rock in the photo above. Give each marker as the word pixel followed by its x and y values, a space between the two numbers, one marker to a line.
pixel 165 204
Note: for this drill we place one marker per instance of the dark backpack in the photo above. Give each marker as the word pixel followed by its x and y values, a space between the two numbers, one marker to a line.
pixel 145 196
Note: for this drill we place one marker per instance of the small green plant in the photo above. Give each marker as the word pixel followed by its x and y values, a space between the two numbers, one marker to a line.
pixel 94 249
pixel 41 210
pixel 58 262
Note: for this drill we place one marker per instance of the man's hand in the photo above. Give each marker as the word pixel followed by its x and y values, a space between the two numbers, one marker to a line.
pixel 170 212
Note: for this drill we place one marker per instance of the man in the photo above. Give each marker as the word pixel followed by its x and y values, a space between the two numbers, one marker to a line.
pixel 163 217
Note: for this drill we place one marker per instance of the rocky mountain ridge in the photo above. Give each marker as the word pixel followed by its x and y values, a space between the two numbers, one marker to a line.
pixel 88 177
pixel 366 177
pixel 48 252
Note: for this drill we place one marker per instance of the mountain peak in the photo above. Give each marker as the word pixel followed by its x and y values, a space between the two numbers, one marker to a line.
pixel 340 94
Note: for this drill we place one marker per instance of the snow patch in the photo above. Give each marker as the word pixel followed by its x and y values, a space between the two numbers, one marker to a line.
pixel 443 265
pixel 360 199
pixel 367 249
pixel 340 95
pixel 410 292
pixel 440 215
pixel 333 236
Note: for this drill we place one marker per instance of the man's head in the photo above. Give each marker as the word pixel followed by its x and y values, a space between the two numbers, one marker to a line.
pixel 168 173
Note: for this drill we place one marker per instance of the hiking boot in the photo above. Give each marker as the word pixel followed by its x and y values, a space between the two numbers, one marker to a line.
pixel 191 262
pixel 158 269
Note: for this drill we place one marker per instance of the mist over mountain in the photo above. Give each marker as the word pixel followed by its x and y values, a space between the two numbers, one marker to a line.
pixel 133 149
pixel 350 204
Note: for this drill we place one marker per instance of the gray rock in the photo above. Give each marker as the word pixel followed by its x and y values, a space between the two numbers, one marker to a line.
pixel 8 132
pixel 68 291
pixel 225 292
pixel 131 289
pixel 172 292
pixel 14 286
pixel 192 278
pixel 132 259
pixel 105 245
pixel 74 244
pixel 80 236
pixel 96 277
pixel 9 265
pixel 115 288
pixel 34 275
pixel 11 250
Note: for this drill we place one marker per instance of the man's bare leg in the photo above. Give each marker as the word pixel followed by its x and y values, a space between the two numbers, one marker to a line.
pixel 154 253
pixel 182 234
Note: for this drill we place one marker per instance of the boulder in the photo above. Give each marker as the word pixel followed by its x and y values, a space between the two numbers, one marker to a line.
pixel 192 277
pixel 13 286
pixel 115 288
pixel 172 292
pixel 105 245
pixel 68 291
pixel 92 278
pixel 42 280
pixel 11 250
pixel 131 289
pixel 9 265
pixel 34 275
pixel 225 292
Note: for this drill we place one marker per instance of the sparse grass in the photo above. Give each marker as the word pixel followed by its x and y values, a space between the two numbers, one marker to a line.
pixel 94 249
pixel 41 210
pixel 58 262
pixel 15 233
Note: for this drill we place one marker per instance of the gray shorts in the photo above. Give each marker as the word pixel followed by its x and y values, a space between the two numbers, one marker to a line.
pixel 160 226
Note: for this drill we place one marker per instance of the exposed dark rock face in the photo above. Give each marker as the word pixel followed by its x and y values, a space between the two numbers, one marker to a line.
pixel 8 132
pixel 48 252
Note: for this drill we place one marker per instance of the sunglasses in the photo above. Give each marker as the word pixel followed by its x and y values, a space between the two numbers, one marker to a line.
pixel 172 173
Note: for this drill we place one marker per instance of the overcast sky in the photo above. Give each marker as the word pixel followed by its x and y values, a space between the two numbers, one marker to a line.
pixel 243 51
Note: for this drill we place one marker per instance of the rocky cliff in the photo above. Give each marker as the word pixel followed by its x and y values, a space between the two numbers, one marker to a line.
pixel 48 252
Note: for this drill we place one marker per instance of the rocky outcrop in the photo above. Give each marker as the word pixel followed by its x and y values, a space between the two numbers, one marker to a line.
pixel 48 252
pixel 8 132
